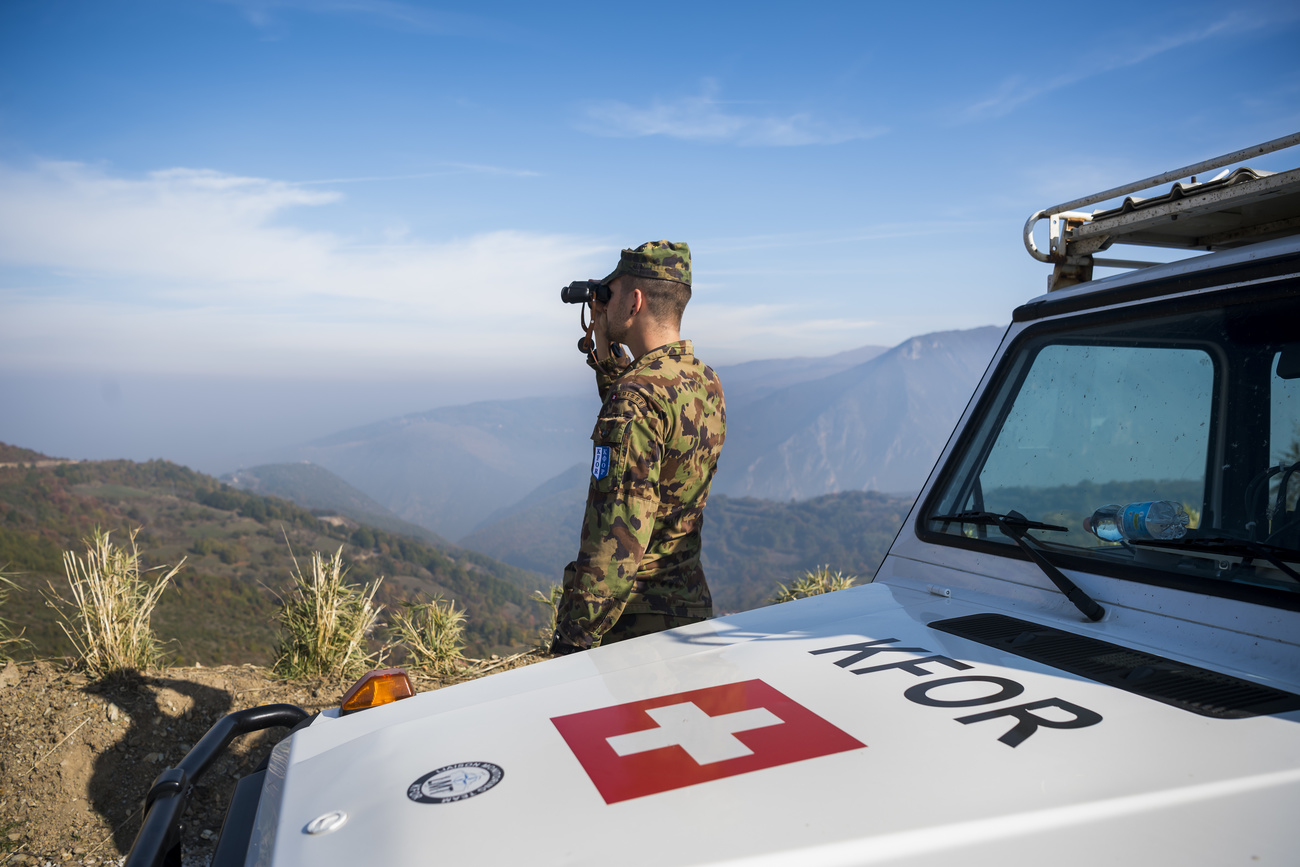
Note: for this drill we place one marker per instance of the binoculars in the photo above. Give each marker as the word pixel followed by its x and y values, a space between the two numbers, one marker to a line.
pixel 582 291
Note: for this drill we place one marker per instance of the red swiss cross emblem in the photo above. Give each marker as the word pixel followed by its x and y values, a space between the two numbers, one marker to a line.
pixel 657 744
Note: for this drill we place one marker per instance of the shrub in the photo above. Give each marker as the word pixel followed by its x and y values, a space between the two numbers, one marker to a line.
pixel 551 599
pixel 8 640
pixel 326 622
pixel 222 498
pixel 813 583
pixel 432 633
pixel 107 619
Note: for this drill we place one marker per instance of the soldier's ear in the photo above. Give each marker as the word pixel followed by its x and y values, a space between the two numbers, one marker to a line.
pixel 638 301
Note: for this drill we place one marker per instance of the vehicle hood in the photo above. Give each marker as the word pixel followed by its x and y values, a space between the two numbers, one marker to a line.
pixel 841 729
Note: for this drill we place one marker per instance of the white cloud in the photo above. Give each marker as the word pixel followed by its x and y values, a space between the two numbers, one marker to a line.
pixel 1017 90
pixel 198 270
pixel 183 224
pixel 452 169
pixel 406 16
pixel 708 119
pixel 731 333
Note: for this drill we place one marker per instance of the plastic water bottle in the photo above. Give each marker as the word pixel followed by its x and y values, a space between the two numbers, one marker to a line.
pixel 1157 519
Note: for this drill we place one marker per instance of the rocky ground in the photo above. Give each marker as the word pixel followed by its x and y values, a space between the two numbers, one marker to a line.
pixel 77 756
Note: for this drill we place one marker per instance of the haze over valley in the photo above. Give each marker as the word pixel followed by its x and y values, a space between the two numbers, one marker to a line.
pixel 509 478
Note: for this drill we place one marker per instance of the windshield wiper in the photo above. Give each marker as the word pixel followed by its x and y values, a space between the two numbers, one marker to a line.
pixel 1016 527
pixel 1244 548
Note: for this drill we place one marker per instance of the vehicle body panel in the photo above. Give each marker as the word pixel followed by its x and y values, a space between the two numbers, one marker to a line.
pixel 923 784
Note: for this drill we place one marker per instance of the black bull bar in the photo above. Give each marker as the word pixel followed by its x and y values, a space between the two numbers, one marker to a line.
pixel 159 842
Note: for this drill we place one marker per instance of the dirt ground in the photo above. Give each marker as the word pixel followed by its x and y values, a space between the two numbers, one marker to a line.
pixel 78 756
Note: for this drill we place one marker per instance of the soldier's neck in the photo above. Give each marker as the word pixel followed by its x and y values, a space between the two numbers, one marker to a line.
pixel 651 335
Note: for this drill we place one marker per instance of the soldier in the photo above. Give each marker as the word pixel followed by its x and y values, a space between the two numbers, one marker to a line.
pixel 655 449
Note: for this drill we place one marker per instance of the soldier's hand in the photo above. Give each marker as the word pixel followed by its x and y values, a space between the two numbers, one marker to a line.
pixel 600 329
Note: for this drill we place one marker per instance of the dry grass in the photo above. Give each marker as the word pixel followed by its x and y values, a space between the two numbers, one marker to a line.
pixel 813 583
pixel 551 599
pixel 433 635
pixel 326 622
pixel 9 641
pixel 107 619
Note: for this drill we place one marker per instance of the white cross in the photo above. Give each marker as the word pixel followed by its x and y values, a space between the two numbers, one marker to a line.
pixel 706 739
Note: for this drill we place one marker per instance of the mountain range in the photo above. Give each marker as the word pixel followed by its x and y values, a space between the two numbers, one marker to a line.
pixel 448 469
pixel 878 425
pixel 873 418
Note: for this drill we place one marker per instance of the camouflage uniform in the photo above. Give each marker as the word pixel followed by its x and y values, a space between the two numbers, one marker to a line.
pixel 655 449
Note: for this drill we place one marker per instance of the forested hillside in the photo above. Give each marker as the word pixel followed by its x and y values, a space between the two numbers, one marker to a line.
pixel 237 547
pixel 750 545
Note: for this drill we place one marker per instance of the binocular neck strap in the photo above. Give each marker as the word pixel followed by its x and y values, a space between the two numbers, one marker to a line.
pixel 586 344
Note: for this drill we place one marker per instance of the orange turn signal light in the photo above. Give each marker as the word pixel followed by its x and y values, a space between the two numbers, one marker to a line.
pixel 380 686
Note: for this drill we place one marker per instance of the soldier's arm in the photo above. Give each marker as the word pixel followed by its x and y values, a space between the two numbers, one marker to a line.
pixel 619 520
pixel 608 371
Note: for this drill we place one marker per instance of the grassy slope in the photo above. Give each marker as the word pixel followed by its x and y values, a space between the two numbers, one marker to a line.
pixel 222 608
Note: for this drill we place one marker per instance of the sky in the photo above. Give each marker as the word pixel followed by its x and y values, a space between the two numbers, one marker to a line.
pixel 227 226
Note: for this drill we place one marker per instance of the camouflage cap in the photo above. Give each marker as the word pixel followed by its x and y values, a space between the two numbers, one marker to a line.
pixel 658 260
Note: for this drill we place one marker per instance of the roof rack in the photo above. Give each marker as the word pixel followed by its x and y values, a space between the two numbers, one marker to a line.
pixel 1232 209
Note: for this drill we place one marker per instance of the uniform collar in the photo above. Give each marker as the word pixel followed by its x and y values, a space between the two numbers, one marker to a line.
pixel 676 349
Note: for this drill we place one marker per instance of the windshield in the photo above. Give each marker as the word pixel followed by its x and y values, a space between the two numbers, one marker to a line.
pixel 1198 412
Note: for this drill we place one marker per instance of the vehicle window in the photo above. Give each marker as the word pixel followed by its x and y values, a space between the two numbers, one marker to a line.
pixel 1196 411
pixel 1093 425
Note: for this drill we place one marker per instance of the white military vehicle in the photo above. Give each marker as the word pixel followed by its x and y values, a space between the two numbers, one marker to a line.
pixel 1031 678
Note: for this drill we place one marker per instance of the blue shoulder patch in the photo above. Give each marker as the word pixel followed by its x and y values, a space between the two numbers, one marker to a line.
pixel 600 462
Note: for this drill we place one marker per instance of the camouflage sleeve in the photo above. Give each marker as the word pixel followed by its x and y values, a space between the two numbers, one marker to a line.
pixel 608 371
pixel 616 528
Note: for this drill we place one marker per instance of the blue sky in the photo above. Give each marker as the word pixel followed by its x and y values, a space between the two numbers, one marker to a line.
pixel 226 225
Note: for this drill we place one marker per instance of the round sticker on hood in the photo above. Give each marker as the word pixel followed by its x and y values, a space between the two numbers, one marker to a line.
pixel 455 782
